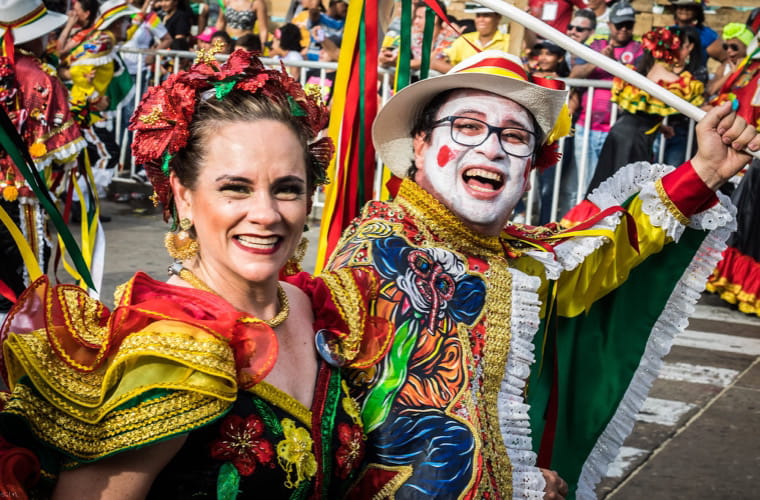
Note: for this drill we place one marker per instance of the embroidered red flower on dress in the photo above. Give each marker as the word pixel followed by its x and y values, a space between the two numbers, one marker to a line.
pixel 351 449
pixel 242 444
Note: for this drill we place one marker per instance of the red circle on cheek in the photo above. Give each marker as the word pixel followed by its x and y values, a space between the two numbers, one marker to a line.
pixel 445 155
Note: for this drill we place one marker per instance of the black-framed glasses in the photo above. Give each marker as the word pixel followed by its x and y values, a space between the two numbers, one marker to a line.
pixel 733 46
pixel 472 132
pixel 626 24
pixel 573 27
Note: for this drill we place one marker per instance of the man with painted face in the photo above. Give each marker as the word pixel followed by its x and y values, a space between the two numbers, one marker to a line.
pixel 453 309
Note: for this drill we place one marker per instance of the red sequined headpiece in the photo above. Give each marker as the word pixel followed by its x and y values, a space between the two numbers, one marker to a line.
pixel 662 43
pixel 162 120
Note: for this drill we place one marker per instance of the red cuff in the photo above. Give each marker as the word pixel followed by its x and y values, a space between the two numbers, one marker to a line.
pixel 687 191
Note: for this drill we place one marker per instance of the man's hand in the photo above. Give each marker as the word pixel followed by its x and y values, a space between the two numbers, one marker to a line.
pixel 556 487
pixel 721 138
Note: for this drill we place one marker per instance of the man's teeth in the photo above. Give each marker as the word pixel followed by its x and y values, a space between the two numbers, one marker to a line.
pixel 258 242
pixel 485 174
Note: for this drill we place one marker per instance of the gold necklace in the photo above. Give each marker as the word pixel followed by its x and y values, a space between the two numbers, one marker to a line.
pixel 188 276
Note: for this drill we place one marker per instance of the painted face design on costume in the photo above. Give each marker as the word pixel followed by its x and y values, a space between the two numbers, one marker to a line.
pixel 480 184
pixel 434 281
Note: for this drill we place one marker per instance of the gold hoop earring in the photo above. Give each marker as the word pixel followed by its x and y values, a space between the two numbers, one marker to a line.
pixel 181 245
pixel 293 265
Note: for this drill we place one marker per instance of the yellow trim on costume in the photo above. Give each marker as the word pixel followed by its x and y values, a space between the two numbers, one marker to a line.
pixel 632 99
pixel 284 401
pixel 672 208
pixel 146 423
pixel 604 269
pixel 29 257
pixel 390 488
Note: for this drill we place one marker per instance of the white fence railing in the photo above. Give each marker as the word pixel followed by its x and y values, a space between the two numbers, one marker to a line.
pixel 385 91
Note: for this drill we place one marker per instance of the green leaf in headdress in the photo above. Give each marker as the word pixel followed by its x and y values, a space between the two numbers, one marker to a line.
pixel 223 88
pixel 295 108
pixel 165 163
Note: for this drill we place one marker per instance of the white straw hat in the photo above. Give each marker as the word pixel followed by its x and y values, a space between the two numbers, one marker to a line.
pixel 492 71
pixel 111 11
pixel 27 20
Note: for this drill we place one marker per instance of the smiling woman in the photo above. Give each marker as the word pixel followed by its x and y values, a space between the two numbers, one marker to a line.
pixel 211 381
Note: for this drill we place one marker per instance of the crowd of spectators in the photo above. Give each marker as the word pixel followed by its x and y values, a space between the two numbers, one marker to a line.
pixel 313 31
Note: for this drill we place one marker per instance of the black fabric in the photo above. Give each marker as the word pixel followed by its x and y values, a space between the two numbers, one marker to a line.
pixel 626 143
pixel 12 265
pixel 179 23
pixel 746 239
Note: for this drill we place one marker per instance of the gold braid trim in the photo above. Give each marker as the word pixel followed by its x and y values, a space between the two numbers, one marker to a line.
pixel 284 401
pixel 349 301
pixel 672 208
pixel 144 423
pixel 390 488
pixel 174 361
pixel 498 323
pixel 444 224
pixel 456 236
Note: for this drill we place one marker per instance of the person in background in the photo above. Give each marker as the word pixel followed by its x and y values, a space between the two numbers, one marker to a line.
pixel 286 47
pixel 78 26
pixel 249 42
pixel 222 42
pixel 692 13
pixel 204 39
pixel 602 13
pixel 149 32
pixel 631 138
pixel 547 61
pixel 486 36
pixel 676 131
pixel 388 56
pixel 316 25
pixel 581 28
pixel 334 19
pixel 315 81
pixel 177 17
pixel 555 13
pixel 200 12
pixel 736 38
pixel 36 102
pixel 621 47
pixel 95 65
pixel 240 17
pixel 736 278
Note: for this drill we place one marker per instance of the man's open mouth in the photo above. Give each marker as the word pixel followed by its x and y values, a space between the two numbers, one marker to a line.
pixel 484 180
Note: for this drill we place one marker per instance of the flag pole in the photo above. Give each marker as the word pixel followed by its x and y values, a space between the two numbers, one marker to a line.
pixel 607 64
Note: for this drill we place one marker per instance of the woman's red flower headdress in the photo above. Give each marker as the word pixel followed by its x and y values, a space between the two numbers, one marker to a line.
pixel 162 120
pixel 662 43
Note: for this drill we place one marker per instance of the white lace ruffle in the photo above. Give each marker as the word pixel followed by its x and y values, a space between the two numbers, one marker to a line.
pixel 635 178
pixel 716 216
pixel 527 480
pixel 672 321
pixel 62 154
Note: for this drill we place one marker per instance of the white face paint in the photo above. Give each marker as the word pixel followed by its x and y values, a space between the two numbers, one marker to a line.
pixel 480 184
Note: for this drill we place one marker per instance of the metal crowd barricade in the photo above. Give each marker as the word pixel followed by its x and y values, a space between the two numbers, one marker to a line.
pixel 384 92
